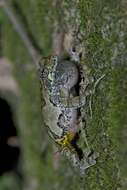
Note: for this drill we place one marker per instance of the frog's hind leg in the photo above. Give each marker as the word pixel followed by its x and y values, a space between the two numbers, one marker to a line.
pixel 52 134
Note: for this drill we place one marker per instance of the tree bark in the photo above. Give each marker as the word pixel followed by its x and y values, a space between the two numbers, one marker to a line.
pixel 101 30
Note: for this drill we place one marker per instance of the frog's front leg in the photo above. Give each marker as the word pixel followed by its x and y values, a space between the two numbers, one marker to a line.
pixel 80 101
pixel 72 102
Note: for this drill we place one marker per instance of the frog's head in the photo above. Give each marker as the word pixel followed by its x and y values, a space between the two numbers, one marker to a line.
pixel 47 67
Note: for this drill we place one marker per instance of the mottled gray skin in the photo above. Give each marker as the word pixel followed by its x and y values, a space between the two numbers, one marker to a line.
pixel 66 77
pixel 59 79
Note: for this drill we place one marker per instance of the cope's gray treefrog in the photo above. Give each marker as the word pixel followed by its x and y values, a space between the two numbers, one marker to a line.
pixel 64 85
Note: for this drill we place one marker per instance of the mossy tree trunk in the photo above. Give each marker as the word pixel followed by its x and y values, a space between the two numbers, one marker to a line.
pixel 103 25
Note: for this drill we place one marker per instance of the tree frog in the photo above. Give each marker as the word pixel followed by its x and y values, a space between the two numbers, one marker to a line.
pixel 64 85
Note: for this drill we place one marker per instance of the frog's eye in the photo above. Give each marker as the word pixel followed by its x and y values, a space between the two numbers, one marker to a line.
pixel 54 59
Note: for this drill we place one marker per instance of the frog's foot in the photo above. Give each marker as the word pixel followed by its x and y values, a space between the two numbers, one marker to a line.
pixel 90 154
pixel 88 160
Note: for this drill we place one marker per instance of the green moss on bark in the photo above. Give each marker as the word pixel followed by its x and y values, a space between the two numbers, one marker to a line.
pixel 104 38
